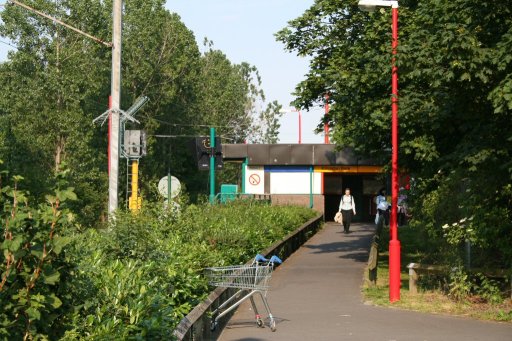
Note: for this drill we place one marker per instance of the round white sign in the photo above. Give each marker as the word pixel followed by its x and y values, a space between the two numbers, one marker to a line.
pixel 175 187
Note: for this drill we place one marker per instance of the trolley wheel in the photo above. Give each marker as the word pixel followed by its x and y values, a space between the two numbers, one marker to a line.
pixel 273 325
pixel 259 322
pixel 213 326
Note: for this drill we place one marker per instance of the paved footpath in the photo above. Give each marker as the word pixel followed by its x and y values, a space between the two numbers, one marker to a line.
pixel 316 295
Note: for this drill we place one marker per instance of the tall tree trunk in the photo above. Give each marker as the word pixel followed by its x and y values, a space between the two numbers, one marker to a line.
pixel 60 152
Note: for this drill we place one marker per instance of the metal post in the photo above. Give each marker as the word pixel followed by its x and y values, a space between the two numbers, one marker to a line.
pixel 326 124
pixel 468 254
pixel 212 166
pixel 394 243
pixel 311 202
pixel 244 170
pixel 169 185
pixel 115 107
pixel 326 134
pixel 300 126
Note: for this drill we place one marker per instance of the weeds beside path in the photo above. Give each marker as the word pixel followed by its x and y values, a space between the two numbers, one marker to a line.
pixel 433 296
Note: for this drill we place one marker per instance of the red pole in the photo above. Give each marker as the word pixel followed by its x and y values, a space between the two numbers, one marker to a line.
pixel 326 124
pixel 300 127
pixel 394 243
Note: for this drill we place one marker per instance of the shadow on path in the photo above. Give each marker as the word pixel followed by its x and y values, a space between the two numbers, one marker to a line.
pixel 317 295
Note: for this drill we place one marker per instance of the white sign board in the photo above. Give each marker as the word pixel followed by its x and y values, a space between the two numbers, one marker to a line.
pixel 295 183
pixel 254 180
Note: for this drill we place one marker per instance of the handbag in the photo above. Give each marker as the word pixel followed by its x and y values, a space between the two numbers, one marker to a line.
pixel 338 218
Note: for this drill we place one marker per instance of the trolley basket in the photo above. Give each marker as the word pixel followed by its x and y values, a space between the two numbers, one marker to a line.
pixel 252 278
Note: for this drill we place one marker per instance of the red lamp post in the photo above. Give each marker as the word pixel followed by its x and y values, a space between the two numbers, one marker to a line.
pixel 300 126
pixel 326 124
pixel 394 243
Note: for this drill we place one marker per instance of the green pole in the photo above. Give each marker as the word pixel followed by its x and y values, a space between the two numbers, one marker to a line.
pixel 244 170
pixel 212 166
pixel 169 187
pixel 310 187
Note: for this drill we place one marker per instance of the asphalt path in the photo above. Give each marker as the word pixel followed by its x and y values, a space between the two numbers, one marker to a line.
pixel 316 295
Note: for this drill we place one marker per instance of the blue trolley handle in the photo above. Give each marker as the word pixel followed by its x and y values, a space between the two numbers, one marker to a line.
pixel 273 259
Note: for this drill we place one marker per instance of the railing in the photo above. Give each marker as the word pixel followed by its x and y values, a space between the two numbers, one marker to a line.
pixel 196 325
pixel 417 269
pixel 226 197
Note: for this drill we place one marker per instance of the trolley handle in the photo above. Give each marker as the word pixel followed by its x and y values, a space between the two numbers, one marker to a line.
pixel 260 259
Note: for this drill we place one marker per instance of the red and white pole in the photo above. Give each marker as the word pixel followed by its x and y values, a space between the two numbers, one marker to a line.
pixel 394 243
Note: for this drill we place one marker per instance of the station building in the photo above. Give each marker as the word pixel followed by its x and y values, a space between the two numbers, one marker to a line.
pixel 313 175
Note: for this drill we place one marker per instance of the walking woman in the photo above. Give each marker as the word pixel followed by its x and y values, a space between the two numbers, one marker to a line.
pixel 347 209
pixel 383 206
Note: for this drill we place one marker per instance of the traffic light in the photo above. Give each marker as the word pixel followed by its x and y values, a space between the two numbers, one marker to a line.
pixel 203 151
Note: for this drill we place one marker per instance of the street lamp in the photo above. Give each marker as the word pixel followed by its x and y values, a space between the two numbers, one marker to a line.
pixel 285 111
pixel 394 243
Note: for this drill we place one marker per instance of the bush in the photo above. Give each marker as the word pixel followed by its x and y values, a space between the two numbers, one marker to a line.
pixel 140 277
pixel 32 265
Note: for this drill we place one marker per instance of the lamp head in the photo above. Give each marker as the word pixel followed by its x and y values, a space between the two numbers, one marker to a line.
pixel 286 111
pixel 371 5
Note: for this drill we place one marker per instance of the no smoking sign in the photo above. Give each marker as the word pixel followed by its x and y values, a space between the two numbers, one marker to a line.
pixel 254 179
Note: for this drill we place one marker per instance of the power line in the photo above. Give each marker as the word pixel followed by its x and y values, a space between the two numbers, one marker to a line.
pixel 108 44
pixel 196 125
pixel 189 136
pixel 6 43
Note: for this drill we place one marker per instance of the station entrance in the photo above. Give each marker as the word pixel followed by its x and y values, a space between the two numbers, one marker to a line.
pixel 313 175
pixel 363 187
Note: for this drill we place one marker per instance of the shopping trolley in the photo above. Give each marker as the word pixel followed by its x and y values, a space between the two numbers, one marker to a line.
pixel 252 279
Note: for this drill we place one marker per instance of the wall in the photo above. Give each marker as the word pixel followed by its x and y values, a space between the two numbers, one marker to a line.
pixel 300 200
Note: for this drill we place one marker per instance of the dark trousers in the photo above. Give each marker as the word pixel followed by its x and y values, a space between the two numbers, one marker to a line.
pixel 385 214
pixel 347 219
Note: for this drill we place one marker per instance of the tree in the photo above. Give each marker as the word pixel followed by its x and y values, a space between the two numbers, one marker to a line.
pixel 50 91
pixel 455 103
pixel 57 82
pixel 267 127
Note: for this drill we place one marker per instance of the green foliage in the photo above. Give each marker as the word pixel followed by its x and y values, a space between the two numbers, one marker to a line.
pixel 139 277
pixel 488 289
pixel 135 279
pixel 455 82
pixel 31 258
pixel 56 82
pixel 460 285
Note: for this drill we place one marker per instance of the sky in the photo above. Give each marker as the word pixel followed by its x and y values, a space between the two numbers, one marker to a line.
pixel 244 30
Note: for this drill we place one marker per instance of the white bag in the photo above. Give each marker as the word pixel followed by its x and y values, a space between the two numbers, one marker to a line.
pixel 377 218
pixel 338 218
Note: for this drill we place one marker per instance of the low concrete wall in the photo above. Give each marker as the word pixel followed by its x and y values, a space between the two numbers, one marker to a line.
pixel 196 325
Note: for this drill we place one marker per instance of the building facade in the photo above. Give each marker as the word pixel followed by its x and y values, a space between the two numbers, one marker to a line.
pixel 313 175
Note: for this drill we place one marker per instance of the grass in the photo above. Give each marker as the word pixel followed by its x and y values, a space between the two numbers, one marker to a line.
pixel 432 297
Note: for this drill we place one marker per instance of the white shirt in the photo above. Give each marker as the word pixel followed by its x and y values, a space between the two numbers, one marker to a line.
pixel 347 203
pixel 381 202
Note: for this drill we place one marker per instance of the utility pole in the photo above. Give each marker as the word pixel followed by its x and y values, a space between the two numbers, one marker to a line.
pixel 115 107
pixel 115 94
pixel 212 166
